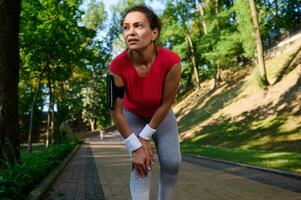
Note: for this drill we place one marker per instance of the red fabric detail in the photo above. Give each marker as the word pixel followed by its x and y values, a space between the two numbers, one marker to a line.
pixel 143 95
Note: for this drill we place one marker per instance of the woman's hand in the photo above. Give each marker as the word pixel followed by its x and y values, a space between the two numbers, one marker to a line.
pixel 149 152
pixel 139 162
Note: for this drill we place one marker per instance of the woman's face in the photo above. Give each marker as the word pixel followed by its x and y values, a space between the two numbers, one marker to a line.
pixel 137 32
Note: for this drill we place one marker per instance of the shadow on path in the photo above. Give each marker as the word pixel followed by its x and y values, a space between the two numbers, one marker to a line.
pixel 79 180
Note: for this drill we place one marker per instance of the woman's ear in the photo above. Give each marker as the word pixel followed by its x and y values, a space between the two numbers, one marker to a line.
pixel 155 33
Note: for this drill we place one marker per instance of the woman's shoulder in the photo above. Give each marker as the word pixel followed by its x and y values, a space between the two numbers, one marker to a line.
pixel 169 55
pixel 121 58
pixel 168 52
pixel 119 63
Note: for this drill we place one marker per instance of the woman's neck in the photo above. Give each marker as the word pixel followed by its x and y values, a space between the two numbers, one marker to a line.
pixel 145 56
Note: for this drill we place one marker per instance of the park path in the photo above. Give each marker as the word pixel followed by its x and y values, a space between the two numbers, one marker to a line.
pixel 100 170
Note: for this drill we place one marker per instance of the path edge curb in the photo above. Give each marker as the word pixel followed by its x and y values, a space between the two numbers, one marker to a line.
pixel 44 185
pixel 275 171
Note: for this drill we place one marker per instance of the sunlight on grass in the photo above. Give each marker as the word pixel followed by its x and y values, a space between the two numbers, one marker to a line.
pixel 264 122
pixel 257 142
pixel 249 86
pixel 270 139
pixel 276 164
pixel 275 154
pixel 185 106
pixel 199 137
pixel 286 161
pixel 298 170
pixel 291 123
pixel 293 137
pixel 275 64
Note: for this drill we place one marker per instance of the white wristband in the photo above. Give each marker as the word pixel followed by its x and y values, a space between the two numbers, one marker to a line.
pixel 147 132
pixel 132 143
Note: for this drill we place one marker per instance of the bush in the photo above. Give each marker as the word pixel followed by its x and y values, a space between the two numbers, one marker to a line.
pixel 18 180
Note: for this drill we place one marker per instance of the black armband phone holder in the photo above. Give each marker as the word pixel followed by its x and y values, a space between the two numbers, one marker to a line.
pixel 113 92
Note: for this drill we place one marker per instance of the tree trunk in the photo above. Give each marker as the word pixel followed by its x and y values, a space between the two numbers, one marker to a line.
pixel 52 121
pixel 49 116
pixel 92 124
pixel 195 68
pixel 33 105
pixel 259 46
pixel 203 21
pixel 191 48
pixel 9 78
pixel 62 109
pixel 217 9
pixel 217 77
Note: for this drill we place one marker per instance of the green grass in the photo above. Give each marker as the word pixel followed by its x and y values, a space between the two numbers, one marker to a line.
pixel 285 161
pixel 263 144
pixel 229 124
pixel 278 65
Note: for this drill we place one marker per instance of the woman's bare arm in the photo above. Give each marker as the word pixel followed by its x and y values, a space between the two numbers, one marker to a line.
pixel 117 114
pixel 170 90
pixel 141 159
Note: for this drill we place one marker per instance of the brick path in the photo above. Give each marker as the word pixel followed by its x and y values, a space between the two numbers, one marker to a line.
pixel 79 179
pixel 107 176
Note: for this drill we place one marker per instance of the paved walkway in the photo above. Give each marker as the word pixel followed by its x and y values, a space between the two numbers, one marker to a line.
pixel 100 170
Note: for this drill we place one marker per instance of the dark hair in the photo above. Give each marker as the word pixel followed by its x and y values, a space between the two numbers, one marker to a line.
pixel 151 17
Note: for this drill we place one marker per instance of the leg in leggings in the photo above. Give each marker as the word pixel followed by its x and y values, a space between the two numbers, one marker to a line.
pixel 167 144
pixel 139 187
pixel 168 149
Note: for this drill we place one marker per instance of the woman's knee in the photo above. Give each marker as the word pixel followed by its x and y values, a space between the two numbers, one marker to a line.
pixel 171 166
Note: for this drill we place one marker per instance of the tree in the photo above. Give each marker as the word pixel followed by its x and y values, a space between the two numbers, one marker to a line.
pixel 95 15
pixel 245 28
pixel 200 7
pixel 260 59
pixel 177 35
pixel 218 44
pixel 33 103
pixel 53 43
pixel 277 19
pixel 9 76
pixel 92 90
pixel 183 16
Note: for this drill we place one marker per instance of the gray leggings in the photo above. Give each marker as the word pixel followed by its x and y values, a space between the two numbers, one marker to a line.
pixel 168 149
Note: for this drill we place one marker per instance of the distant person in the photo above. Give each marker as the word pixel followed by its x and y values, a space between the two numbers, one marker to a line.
pixel 66 130
pixel 144 83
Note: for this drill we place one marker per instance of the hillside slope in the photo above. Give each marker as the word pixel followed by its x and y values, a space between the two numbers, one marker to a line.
pixel 239 114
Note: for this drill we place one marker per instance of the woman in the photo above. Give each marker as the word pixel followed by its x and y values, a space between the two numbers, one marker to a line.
pixel 150 77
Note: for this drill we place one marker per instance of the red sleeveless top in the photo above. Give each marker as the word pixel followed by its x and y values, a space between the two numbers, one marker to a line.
pixel 143 95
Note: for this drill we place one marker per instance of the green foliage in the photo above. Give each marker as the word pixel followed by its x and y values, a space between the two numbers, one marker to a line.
pixel 94 103
pixel 225 50
pixel 93 90
pixel 177 27
pixel 173 35
pixel 57 42
pixel 278 19
pixel 94 16
pixel 51 41
pixel 245 28
pixel 17 181
pixel 229 38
